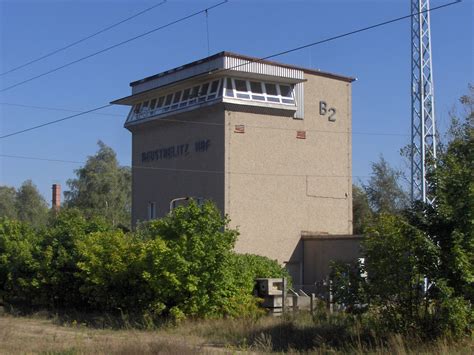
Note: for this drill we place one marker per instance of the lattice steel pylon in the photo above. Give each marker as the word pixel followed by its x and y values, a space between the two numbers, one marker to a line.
pixel 423 128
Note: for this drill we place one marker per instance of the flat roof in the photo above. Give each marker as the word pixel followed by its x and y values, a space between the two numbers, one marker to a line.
pixel 244 57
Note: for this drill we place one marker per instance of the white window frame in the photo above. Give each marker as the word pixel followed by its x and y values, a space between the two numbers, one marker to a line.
pixel 268 98
pixel 173 106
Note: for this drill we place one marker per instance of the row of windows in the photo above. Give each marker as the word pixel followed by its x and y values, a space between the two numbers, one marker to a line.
pixel 232 88
pixel 187 97
pixel 259 91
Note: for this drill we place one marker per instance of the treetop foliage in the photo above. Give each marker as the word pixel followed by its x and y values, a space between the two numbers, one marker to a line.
pixel 25 204
pixel 383 189
pixel 102 188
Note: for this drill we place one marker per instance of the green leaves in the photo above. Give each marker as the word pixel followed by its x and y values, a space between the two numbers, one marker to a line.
pixel 25 204
pixel 429 242
pixel 180 266
pixel 102 188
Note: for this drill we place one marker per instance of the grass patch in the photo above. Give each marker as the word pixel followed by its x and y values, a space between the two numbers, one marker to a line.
pixel 44 333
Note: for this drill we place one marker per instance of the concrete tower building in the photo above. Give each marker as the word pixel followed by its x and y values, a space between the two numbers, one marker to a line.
pixel 269 143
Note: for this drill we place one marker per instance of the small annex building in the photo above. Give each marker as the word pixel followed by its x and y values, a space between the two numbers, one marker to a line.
pixel 269 143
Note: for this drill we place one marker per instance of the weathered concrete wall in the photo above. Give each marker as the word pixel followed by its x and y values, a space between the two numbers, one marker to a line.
pixel 278 186
pixel 174 168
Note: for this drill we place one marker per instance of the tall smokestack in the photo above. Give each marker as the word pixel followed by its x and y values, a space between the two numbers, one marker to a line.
pixel 56 201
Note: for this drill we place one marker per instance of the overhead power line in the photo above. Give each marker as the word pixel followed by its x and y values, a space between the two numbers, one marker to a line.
pixel 41 159
pixel 83 39
pixel 261 59
pixel 113 46
pixel 200 171
pixel 205 123
pixel 56 109
pixel 80 113
pixel 55 121
pixel 329 39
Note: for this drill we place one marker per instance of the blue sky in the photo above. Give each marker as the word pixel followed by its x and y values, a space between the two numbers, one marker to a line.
pixel 380 59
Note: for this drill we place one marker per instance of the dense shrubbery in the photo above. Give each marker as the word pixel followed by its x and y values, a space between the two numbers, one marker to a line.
pixel 399 287
pixel 419 263
pixel 180 266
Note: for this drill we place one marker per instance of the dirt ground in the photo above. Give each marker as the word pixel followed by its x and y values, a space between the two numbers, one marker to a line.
pixel 20 335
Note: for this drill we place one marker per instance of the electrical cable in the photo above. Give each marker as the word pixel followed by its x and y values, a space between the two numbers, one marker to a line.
pixel 82 39
pixel 112 47
pixel 41 159
pixel 261 59
pixel 201 171
pixel 340 36
pixel 187 122
pixel 55 121
pixel 56 109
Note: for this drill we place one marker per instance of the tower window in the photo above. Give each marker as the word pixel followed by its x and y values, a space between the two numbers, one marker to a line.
pixel 151 210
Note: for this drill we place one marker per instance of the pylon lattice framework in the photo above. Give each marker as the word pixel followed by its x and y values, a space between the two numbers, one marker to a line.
pixel 423 131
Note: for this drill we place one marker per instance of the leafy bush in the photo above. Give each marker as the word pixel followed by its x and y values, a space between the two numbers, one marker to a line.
pixel 180 266
pixel 60 256
pixel 109 269
pixel 399 260
pixel 349 286
pixel 19 262
pixel 242 270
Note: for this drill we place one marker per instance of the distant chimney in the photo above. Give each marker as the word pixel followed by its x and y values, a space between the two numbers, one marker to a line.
pixel 56 202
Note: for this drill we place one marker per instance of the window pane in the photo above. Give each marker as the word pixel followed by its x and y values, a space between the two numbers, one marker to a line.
pixel 228 88
pixel 177 97
pixel 271 89
pixel 258 97
pixel 240 85
pixel 214 86
pixel 194 92
pixel 168 99
pixel 203 90
pixel 145 104
pixel 152 104
pixel 285 90
pixel 137 108
pixel 243 96
pixel 288 101
pixel 160 102
pixel 273 99
pixel 185 94
pixel 256 87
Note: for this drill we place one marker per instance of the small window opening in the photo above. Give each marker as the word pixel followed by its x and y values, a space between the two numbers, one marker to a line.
pixel 151 210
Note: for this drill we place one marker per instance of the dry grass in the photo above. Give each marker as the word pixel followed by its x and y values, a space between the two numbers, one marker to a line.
pixel 37 335
pixel 301 334
pixel 20 335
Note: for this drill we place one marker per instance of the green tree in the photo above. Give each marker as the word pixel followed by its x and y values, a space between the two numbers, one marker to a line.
pixel 361 212
pixel 383 189
pixel 19 263
pixel 420 265
pixel 60 255
pixel 398 256
pixel 109 265
pixel 30 205
pixel 450 220
pixel 187 255
pixel 102 188
pixel 7 202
